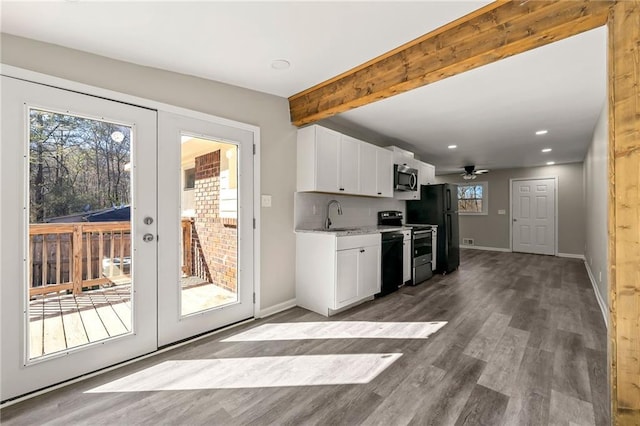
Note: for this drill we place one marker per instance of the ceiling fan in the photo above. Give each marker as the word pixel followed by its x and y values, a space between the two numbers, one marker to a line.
pixel 470 172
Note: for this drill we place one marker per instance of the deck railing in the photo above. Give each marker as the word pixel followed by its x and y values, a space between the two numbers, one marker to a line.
pixel 73 256
pixel 194 262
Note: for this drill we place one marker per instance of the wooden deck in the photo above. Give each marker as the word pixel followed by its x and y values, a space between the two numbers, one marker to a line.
pixel 60 322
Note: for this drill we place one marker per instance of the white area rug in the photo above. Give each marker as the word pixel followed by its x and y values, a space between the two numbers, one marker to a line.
pixel 338 330
pixel 258 372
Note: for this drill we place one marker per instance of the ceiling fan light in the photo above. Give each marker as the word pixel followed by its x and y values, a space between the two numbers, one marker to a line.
pixel 468 177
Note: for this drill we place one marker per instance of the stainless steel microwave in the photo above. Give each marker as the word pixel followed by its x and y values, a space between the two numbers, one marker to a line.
pixel 405 178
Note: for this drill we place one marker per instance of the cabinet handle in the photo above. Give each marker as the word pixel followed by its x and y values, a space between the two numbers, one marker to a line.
pixel 362 251
pixel 379 193
pixel 341 189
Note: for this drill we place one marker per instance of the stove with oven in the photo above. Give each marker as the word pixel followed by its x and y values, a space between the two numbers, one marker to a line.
pixel 423 242
pixel 423 239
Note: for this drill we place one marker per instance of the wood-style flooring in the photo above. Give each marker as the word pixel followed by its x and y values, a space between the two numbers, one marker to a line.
pixel 525 344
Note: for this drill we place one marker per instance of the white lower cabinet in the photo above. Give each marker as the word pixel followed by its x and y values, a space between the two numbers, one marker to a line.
pixel 333 272
pixel 407 256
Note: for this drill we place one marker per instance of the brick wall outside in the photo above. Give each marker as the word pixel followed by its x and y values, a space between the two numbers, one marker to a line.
pixel 218 240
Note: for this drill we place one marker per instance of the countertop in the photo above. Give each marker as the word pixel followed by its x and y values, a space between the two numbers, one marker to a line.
pixel 356 230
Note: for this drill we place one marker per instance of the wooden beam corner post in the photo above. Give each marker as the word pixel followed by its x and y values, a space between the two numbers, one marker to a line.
pixel 624 211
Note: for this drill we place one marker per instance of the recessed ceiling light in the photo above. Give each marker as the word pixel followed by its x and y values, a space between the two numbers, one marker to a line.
pixel 542 132
pixel 550 163
pixel 280 64
pixel 452 146
pixel 546 150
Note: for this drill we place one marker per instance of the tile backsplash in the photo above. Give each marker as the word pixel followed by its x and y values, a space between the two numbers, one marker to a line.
pixel 310 210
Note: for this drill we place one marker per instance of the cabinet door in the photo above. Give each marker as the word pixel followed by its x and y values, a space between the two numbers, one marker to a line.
pixel 369 271
pixel 347 277
pixel 348 163
pixel 327 159
pixel 368 169
pixel 427 174
pixel 406 260
pixel 384 172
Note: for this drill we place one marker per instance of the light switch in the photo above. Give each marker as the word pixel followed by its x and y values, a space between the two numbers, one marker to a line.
pixel 502 212
pixel 266 200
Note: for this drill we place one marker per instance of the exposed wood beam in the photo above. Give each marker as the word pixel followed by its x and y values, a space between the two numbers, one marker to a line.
pixel 497 31
pixel 624 211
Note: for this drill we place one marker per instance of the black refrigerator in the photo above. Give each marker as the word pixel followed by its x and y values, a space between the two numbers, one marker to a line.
pixel 438 205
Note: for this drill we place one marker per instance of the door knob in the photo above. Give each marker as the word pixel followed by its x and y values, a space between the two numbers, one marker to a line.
pixel 148 220
pixel 147 238
pixel 515 220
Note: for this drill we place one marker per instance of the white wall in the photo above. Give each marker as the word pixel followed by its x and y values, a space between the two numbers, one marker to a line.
pixel 270 113
pixel 311 210
pixel 596 190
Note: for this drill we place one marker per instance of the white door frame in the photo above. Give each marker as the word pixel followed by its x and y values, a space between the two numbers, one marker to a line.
pixel 61 83
pixel 555 212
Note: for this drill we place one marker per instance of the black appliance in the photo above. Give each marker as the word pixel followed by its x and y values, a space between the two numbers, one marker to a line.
pixel 392 276
pixel 422 240
pixel 405 178
pixel 438 205
pixel 391 262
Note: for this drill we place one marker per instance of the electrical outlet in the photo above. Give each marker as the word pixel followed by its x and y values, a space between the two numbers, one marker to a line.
pixel 502 211
pixel 314 210
pixel 266 200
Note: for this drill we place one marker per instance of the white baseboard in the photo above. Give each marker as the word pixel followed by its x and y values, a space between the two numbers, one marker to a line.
pixel 272 310
pixel 603 306
pixel 572 256
pixel 485 248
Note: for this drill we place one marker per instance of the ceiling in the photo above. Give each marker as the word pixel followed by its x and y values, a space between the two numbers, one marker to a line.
pixel 491 113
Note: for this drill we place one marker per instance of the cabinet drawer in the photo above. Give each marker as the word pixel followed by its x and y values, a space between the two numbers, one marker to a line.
pixel 355 241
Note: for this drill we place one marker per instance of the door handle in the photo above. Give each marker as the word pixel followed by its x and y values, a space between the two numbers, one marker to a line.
pixel 147 238
pixel 515 220
pixel 148 220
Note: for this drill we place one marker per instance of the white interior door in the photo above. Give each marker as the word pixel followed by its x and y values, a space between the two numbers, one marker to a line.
pixel 533 216
pixel 78 290
pixel 205 221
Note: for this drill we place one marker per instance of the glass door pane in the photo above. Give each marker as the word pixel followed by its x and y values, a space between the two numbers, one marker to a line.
pixel 208 224
pixel 79 252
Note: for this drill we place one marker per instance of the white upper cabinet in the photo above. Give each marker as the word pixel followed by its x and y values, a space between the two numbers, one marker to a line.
pixel 349 164
pixel 368 169
pixel 318 150
pixel 328 161
pixel 384 172
pixel 426 173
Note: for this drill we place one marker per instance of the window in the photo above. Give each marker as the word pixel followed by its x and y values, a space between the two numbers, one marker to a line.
pixel 190 178
pixel 472 198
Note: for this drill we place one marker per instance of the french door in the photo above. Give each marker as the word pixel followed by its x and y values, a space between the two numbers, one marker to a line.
pixel 110 246
pixel 205 216
pixel 78 253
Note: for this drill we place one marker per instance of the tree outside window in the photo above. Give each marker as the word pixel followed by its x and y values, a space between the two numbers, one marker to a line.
pixel 472 198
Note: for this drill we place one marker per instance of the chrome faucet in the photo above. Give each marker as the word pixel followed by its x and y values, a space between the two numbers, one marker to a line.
pixel 327 223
